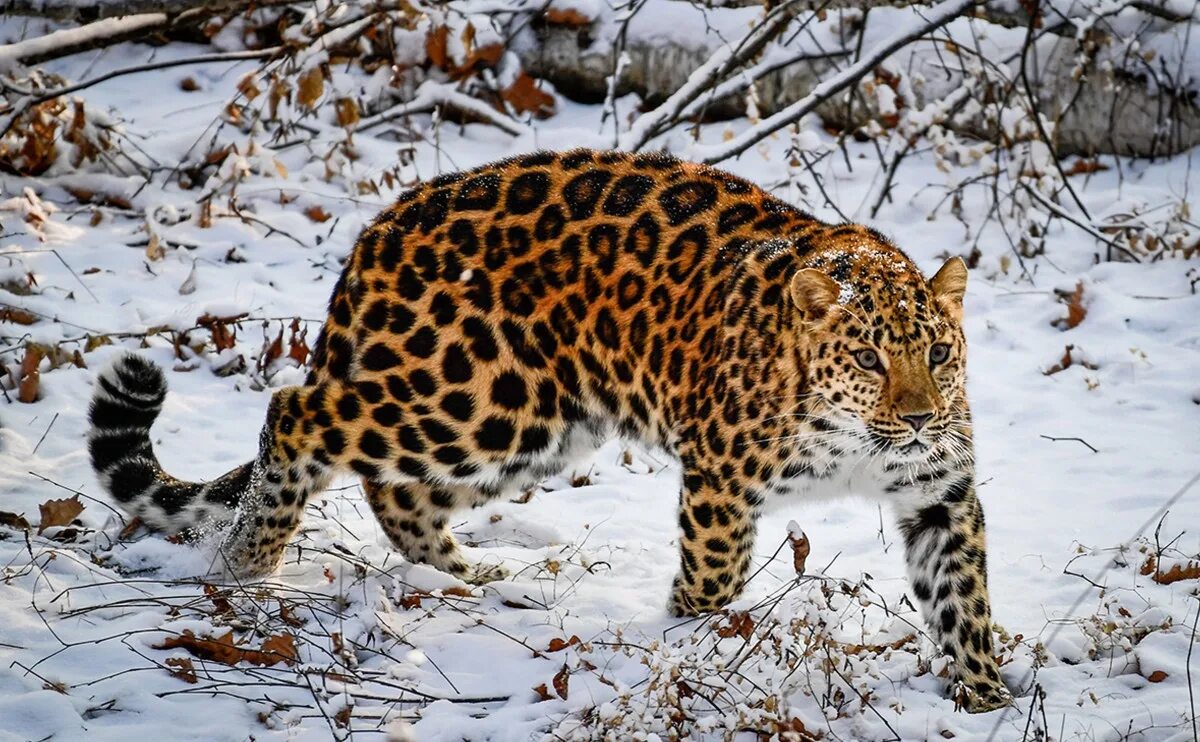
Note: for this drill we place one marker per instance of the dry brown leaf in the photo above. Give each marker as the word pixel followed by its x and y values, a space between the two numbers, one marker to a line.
pixel 740 624
pixel 435 46
pixel 16 315
pixel 525 97
pixel 204 217
pixel 27 385
pixel 279 92
pixel 12 520
pixel 297 345
pixel 557 645
pixel 543 692
pixel 59 512
pixel 154 248
pixel 794 729
pixel 184 669
pixel 189 85
pixel 1157 676
pixel 96 341
pixel 317 214
pixel 1067 361
pixel 569 17
pixel 311 87
pixel 282 646
pixel 410 601
pixel 800 550
pixel 247 87
pixel 347 112
pixel 220 649
pixel 82 195
pixel 562 682
pixel 1178 572
pixel 878 648
pixel 130 528
pixel 287 615
pixel 219 601
pixel 34 132
pixel 218 155
pixel 276 649
pixel 1084 166
pixel 1076 311
pixel 224 332
pixel 468 37
pixel 272 352
pixel 482 56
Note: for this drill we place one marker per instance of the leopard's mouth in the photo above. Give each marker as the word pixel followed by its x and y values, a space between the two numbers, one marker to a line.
pixel 910 450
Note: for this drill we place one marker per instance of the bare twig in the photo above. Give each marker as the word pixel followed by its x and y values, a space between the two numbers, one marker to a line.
pixel 1077 440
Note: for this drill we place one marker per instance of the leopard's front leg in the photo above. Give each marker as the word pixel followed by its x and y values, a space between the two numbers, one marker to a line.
pixel 717 517
pixel 947 565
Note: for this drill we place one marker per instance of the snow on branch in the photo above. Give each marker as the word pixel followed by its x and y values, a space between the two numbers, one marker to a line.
pixel 70 40
pixel 722 63
pixel 937 17
pixel 74 10
pixel 432 95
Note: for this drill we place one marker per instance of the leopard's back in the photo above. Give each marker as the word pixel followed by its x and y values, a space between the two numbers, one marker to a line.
pixel 496 317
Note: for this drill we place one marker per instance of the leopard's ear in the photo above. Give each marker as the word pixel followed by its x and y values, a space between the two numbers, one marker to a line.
pixel 950 284
pixel 814 293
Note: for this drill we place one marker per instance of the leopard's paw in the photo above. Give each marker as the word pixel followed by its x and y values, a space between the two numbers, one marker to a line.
pixel 481 574
pixel 686 603
pixel 983 698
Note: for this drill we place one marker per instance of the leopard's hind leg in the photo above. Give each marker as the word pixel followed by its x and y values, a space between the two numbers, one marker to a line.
pixel 300 448
pixel 416 517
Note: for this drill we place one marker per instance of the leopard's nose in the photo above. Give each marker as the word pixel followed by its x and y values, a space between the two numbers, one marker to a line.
pixel 917 421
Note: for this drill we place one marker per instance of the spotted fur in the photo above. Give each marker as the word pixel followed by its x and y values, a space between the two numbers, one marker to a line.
pixel 492 325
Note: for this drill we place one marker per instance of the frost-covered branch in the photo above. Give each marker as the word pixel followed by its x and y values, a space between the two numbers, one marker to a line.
pixel 71 40
pixel 433 95
pixel 937 17
pixel 74 10
pixel 724 62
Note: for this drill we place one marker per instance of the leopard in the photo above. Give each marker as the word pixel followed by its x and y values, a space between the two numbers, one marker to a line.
pixel 493 326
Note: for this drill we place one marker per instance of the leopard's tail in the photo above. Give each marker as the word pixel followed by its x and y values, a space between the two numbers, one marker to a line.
pixel 128 397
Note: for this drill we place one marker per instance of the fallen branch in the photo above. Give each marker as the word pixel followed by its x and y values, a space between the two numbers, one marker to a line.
pixel 721 65
pixel 1076 440
pixel 71 40
pixel 73 10
pixel 433 95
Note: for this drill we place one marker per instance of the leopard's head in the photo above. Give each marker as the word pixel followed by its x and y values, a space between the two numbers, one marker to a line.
pixel 884 350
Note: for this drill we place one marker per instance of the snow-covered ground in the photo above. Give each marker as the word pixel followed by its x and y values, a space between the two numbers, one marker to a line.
pixel 578 643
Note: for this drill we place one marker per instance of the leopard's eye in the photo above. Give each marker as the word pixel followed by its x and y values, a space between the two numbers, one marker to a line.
pixel 867 358
pixel 939 353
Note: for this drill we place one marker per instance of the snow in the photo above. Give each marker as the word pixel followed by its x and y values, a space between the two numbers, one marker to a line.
pixel 419 654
